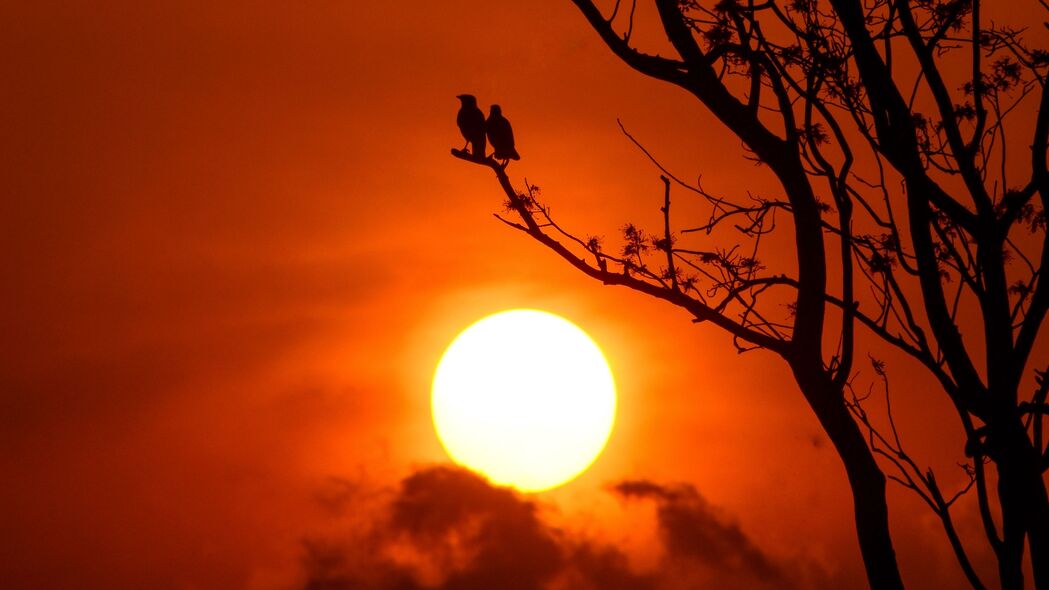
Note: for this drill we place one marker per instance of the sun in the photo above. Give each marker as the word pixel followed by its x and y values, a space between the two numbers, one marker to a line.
pixel 524 397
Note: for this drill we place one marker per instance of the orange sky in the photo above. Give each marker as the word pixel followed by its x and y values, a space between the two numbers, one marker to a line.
pixel 235 245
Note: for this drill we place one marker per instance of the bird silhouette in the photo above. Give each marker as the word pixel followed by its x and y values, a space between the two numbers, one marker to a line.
pixel 501 134
pixel 471 125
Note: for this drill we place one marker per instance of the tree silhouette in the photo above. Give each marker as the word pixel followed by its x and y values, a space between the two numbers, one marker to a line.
pixel 915 218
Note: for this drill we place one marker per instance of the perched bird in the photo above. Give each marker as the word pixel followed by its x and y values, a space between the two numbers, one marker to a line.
pixel 471 124
pixel 501 135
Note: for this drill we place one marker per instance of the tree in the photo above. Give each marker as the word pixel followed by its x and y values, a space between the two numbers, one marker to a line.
pixel 885 124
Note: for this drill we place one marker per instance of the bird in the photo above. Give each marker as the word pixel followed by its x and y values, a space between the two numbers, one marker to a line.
pixel 471 125
pixel 501 134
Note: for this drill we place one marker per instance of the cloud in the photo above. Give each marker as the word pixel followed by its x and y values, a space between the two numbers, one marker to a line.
pixel 444 528
pixel 501 536
pixel 693 532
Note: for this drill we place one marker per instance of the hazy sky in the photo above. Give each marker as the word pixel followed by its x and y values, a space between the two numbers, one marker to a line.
pixel 235 246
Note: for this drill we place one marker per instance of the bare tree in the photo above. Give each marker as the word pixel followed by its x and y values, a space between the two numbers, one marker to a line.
pixel 914 217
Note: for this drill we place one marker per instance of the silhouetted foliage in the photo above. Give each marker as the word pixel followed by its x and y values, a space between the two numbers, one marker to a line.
pixel 889 126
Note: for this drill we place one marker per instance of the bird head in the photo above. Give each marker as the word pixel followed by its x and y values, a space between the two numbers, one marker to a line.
pixel 468 99
pixel 497 110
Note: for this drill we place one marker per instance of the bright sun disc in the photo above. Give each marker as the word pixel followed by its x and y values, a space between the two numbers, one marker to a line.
pixel 524 397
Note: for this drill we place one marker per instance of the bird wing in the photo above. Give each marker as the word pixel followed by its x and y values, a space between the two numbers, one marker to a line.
pixel 499 132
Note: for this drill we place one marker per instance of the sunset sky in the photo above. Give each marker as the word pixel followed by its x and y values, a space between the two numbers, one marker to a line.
pixel 235 247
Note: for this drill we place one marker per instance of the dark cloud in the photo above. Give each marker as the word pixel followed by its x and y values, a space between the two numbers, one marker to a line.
pixel 508 546
pixel 692 530
pixel 445 528
pixel 591 566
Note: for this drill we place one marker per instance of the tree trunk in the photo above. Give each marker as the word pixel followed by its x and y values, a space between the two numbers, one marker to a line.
pixel 1025 507
pixel 1038 529
pixel 865 477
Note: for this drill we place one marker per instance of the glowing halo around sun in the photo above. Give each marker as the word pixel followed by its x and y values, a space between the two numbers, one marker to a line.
pixel 524 397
